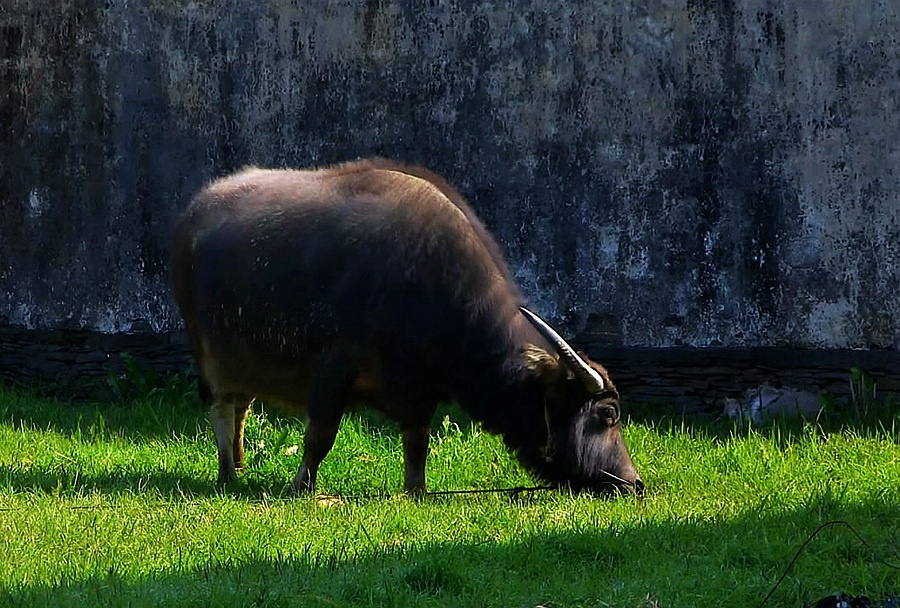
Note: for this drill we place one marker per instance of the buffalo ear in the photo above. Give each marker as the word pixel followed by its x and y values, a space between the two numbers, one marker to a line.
pixel 536 363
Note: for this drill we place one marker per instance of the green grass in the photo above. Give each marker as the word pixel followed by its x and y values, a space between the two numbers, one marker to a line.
pixel 115 504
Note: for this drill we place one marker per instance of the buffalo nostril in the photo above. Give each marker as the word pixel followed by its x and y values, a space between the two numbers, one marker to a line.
pixel 638 487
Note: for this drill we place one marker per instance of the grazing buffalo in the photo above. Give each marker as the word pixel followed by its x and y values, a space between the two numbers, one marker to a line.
pixel 374 283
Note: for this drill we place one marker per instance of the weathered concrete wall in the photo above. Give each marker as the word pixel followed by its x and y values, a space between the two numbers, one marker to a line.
pixel 661 173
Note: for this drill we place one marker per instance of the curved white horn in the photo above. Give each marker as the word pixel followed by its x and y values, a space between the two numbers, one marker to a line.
pixel 590 377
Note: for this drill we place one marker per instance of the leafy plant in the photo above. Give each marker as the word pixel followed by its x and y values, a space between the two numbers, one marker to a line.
pixel 136 381
pixel 866 405
pixel 863 393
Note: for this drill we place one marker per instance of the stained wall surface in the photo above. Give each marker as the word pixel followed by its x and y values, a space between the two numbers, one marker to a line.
pixel 660 173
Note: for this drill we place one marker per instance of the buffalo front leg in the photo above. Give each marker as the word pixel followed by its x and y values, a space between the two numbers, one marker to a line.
pixel 226 413
pixel 415 452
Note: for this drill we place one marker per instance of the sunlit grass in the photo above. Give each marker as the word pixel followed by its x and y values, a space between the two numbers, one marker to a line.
pixel 115 504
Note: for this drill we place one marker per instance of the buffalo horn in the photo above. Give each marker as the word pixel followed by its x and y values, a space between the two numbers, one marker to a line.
pixel 591 379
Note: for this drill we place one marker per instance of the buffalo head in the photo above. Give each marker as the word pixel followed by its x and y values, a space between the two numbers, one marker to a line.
pixel 584 447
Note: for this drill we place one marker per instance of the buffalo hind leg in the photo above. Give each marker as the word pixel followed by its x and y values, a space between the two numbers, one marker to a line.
pixel 228 413
pixel 317 442
pixel 331 378
pixel 415 452
pixel 241 410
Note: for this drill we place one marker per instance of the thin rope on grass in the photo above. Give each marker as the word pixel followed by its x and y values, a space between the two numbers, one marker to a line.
pixel 514 492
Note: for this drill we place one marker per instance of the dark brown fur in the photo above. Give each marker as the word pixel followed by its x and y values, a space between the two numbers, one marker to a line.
pixel 376 283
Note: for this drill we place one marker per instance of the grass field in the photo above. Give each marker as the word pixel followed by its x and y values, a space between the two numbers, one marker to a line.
pixel 115 504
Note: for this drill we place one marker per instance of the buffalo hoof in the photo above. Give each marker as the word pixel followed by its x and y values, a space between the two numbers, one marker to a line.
pixel 302 490
pixel 417 491
pixel 226 477
pixel 302 484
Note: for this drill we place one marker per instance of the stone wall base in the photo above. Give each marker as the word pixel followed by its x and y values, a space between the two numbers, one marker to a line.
pixel 680 380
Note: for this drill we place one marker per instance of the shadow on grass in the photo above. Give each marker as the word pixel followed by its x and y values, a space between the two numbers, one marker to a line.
pixel 152 419
pixel 72 482
pixel 650 564
pixel 153 415
pixel 157 414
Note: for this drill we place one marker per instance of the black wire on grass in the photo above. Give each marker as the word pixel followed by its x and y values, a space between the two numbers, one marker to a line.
pixel 815 533
pixel 514 492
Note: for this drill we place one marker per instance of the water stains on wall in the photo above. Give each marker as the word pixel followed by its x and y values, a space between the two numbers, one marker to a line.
pixel 664 173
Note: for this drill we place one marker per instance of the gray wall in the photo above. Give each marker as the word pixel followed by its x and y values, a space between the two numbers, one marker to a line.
pixel 660 172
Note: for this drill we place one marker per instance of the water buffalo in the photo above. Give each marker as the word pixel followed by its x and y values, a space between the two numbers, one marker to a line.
pixel 375 283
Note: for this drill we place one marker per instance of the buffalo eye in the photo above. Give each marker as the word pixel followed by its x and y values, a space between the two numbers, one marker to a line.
pixel 604 415
pixel 611 413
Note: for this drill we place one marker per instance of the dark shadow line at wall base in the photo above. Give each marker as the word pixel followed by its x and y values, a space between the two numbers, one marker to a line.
pixel 687 380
